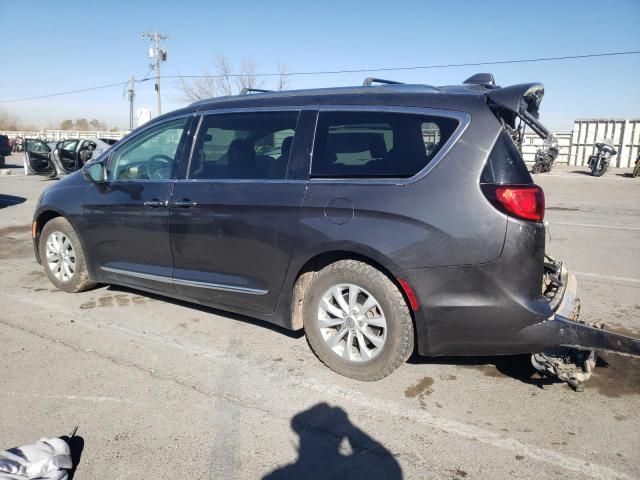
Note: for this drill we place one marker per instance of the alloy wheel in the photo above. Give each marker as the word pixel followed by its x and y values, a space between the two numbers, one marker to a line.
pixel 61 257
pixel 352 322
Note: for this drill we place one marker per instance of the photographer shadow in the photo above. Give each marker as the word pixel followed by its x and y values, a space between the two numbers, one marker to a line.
pixel 330 446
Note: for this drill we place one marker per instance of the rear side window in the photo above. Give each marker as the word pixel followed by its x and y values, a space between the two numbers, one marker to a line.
pixel 377 144
pixel 252 145
pixel 505 164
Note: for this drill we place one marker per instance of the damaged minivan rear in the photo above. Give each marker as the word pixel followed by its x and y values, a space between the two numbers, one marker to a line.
pixel 382 220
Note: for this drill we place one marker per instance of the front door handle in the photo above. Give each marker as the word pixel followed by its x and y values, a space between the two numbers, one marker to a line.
pixel 184 203
pixel 155 203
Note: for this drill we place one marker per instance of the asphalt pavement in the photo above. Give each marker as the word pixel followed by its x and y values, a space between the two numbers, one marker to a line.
pixel 165 389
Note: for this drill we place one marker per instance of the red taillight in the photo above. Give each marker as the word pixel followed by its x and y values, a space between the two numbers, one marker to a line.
pixel 521 201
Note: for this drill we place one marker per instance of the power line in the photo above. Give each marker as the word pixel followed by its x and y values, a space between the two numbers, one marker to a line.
pixel 336 72
pixel 67 92
pixel 419 67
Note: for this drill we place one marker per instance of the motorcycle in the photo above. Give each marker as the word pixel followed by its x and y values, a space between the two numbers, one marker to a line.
pixel 599 163
pixel 546 155
pixel 636 169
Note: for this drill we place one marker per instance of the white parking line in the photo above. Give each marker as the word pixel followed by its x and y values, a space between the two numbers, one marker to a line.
pixel 13 175
pixel 85 398
pixel 608 277
pixel 593 225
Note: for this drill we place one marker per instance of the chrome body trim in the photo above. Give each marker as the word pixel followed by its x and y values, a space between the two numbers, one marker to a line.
pixel 186 283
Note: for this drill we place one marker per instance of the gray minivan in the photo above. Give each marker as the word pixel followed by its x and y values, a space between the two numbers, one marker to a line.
pixel 381 219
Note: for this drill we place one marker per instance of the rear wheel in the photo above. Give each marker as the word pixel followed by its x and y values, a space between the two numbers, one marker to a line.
pixel 356 321
pixel 636 170
pixel 62 256
pixel 537 168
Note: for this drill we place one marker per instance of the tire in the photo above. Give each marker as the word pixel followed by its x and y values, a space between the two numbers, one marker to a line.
pixel 636 170
pixel 60 232
pixel 537 168
pixel 367 361
pixel 1 161
pixel 598 173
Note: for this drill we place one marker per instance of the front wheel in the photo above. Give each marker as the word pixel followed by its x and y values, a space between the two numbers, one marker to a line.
pixel 62 256
pixel 356 321
pixel 636 170
pixel 537 168
pixel 598 169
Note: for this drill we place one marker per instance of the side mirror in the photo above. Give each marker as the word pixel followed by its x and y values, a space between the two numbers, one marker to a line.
pixel 97 173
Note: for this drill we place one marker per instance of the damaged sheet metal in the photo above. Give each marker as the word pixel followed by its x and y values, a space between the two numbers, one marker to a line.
pixel 568 347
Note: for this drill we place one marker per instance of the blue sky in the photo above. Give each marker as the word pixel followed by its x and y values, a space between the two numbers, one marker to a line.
pixel 78 44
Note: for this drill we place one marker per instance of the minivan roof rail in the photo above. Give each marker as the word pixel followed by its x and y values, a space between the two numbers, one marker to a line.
pixel 485 79
pixel 370 80
pixel 245 91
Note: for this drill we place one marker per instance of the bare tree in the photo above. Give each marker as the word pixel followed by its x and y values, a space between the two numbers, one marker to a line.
pixel 247 78
pixel 224 81
pixel 199 88
pixel 283 78
pixel 9 121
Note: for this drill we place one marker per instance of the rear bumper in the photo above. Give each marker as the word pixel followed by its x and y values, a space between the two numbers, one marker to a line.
pixel 489 320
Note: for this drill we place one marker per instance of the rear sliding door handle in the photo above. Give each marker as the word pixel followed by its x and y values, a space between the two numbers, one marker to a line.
pixel 185 203
pixel 155 203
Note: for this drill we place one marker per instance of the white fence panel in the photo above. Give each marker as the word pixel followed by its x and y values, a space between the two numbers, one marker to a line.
pixel 624 134
pixel 56 135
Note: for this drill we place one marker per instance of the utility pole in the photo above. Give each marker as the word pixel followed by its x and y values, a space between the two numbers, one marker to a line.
pixel 160 55
pixel 132 94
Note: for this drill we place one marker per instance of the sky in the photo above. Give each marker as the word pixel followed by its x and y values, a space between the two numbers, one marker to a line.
pixel 81 44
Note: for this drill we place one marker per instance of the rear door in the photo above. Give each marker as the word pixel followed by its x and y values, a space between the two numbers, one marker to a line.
pixel 66 155
pixel 235 217
pixel 37 157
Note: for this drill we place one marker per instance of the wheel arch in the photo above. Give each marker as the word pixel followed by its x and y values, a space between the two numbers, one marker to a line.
pixel 320 260
pixel 45 216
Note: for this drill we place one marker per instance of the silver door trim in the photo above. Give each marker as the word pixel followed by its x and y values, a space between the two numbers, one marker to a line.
pixel 186 283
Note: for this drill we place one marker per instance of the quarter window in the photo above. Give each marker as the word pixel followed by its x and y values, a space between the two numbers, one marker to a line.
pixel 244 146
pixel 377 144
pixel 152 155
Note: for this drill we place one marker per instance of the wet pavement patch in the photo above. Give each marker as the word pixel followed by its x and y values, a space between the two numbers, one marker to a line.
pixel 459 473
pixel 563 209
pixel 422 387
pixel 12 248
pixel 420 390
pixel 15 229
pixel 616 375
pixel 120 299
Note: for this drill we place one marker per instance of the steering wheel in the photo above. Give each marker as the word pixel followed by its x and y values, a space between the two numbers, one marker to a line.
pixel 163 168
pixel 161 158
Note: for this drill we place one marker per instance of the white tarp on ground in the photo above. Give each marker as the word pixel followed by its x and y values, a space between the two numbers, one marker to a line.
pixel 47 459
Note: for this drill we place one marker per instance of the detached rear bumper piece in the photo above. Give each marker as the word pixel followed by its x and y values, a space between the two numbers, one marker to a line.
pixel 568 347
pixel 564 330
pixel 561 331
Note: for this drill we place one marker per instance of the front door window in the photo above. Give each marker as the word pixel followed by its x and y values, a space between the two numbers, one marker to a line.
pixel 151 156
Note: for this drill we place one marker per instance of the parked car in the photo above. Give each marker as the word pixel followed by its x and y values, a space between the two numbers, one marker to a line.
pixel 5 149
pixel 372 217
pixel 62 157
